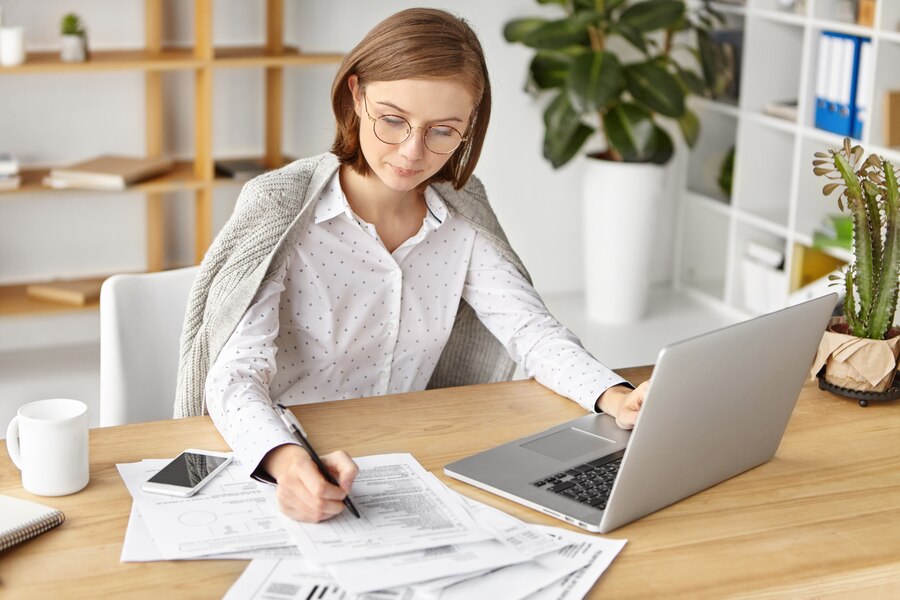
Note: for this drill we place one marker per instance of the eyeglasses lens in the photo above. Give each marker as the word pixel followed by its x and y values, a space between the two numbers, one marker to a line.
pixel 391 129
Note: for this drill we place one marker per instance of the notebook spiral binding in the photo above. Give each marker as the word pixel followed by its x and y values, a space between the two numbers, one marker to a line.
pixel 30 529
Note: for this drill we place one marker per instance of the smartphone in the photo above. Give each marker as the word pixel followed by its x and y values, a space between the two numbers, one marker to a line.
pixel 187 473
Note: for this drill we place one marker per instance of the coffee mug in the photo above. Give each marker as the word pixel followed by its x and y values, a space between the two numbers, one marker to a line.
pixel 48 441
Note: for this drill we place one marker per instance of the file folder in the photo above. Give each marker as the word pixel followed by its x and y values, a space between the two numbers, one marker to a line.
pixel 837 76
pixel 864 83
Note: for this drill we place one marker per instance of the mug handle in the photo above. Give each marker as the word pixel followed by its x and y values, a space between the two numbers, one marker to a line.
pixel 12 442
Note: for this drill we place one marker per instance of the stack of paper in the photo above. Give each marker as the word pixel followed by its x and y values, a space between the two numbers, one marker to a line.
pixel 228 519
pixel 416 538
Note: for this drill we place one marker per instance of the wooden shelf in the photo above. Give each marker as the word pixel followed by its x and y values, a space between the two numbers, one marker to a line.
pixel 195 175
pixel 14 301
pixel 261 57
pixel 180 177
pixel 109 60
pixel 170 59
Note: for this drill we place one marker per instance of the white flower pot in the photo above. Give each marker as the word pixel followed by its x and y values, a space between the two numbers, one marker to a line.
pixel 620 202
pixel 73 48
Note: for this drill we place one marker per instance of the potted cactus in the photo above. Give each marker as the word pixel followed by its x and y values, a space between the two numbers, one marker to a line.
pixel 74 39
pixel 860 349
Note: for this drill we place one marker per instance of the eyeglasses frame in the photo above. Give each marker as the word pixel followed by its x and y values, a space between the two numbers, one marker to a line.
pixel 462 139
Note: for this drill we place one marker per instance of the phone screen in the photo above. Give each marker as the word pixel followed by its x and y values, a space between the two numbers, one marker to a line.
pixel 188 469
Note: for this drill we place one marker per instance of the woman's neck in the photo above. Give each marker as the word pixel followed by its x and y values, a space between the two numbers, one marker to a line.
pixel 374 202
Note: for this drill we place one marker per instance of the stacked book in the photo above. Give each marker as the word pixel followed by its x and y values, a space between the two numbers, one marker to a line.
pixel 107 172
pixel 9 172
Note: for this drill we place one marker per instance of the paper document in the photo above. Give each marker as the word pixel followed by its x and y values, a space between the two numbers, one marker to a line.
pixel 403 508
pixel 577 584
pixel 140 547
pixel 525 579
pixel 514 542
pixel 230 514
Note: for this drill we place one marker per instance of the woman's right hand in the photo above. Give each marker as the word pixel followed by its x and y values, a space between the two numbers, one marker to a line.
pixel 303 493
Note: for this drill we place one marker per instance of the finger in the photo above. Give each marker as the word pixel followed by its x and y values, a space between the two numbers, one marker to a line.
pixel 299 503
pixel 317 485
pixel 342 467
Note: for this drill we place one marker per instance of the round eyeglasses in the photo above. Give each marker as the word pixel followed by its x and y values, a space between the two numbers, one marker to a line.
pixel 394 129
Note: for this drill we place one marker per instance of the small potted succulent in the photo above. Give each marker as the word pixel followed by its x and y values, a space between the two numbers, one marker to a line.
pixel 859 351
pixel 74 39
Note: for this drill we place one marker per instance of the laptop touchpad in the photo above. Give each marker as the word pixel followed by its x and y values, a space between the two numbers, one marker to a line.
pixel 568 444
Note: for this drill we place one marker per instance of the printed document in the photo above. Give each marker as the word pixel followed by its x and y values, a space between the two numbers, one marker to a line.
pixel 402 508
pixel 230 514
pixel 514 542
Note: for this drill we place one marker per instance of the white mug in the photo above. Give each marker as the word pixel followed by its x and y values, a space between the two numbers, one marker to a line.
pixel 48 441
pixel 12 46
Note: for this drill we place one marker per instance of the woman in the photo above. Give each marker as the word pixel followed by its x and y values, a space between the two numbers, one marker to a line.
pixel 378 268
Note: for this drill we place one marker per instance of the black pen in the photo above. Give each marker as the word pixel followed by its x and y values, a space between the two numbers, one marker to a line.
pixel 297 429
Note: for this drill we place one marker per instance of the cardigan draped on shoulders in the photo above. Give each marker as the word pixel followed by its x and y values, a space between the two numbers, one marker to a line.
pixel 269 216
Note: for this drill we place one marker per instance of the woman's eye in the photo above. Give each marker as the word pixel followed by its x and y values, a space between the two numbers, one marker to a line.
pixel 396 122
pixel 442 131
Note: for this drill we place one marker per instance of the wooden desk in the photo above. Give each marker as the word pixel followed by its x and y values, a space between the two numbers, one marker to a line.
pixel 821 519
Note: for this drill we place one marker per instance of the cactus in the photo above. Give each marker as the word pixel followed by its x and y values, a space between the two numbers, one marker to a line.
pixel 71 25
pixel 868 191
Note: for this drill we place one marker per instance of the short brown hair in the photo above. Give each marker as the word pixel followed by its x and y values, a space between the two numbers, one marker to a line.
pixel 417 43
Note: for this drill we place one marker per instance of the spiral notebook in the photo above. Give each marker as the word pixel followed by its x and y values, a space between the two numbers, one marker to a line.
pixel 23 519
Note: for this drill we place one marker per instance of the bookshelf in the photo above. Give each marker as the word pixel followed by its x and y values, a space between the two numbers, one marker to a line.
pixel 196 175
pixel 776 199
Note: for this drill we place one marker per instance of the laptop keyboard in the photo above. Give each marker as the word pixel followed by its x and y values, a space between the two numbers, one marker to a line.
pixel 589 483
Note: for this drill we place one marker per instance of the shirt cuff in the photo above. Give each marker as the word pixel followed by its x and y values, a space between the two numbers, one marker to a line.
pixel 596 407
pixel 259 473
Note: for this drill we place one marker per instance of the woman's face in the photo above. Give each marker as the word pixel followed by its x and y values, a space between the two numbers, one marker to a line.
pixel 423 103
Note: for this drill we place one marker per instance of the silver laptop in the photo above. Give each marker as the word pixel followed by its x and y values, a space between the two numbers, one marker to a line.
pixel 718 405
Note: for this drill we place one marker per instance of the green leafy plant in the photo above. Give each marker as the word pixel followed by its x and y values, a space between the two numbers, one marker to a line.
pixel 71 24
pixel 868 191
pixel 598 90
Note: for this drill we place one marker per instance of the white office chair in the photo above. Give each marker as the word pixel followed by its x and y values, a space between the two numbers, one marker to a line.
pixel 140 328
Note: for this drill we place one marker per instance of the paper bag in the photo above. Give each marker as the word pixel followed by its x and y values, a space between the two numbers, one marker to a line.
pixel 856 363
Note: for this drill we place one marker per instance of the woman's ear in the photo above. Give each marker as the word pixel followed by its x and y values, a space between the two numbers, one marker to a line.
pixel 355 93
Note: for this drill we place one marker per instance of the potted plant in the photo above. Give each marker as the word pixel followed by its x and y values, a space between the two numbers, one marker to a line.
pixel 859 350
pixel 74 43
pixel 612 68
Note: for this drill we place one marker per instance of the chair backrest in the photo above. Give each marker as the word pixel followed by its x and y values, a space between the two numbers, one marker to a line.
pixel 141 317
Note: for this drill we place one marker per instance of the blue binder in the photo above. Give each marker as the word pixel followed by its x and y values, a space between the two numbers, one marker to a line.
pixel 836 83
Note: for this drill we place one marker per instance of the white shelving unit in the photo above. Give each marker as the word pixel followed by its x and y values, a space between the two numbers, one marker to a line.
pixel 776 199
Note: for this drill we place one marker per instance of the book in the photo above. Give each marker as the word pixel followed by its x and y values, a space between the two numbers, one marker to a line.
pixel 786 109
pixel 241 169
pixel 21 520
pixel 9 165
pixel 107 172
pixel 75 293
pixel 10 182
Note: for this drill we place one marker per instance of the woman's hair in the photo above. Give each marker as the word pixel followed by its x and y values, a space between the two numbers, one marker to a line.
pixel 418 43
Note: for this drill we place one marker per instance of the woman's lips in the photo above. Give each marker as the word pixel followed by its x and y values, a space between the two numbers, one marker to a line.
pixel 405 172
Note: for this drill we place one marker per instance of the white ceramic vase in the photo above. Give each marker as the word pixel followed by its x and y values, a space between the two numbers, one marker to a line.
pixel 73 48
pixel 620 203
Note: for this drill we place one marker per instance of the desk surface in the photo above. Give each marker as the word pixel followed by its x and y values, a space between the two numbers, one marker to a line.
pixel 821 519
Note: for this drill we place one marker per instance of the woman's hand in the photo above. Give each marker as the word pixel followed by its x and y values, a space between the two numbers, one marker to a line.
pixel 303 493
pixel 623 403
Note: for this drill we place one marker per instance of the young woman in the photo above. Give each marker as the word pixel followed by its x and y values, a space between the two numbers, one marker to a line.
pixel 378 268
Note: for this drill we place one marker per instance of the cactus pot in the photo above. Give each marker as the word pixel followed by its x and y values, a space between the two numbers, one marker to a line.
pixel 73 48
pixel 859 364
pixel 620 204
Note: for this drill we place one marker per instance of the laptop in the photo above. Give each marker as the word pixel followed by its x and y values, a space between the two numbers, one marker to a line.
pixel 718 405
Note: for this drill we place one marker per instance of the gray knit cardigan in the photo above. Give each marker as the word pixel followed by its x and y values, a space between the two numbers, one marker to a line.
pixel 271 212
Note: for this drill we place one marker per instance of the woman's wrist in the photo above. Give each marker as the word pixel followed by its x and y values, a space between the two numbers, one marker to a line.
pixel 279 459
pixel 610 401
